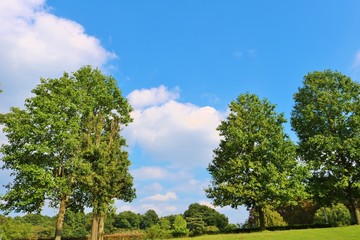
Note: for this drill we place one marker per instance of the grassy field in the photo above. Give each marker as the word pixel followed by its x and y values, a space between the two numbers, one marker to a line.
pixel 340 233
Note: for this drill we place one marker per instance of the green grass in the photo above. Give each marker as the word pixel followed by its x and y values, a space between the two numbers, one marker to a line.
pixel 340 233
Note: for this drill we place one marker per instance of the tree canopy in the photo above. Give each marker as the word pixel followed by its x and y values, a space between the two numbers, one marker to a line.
pixel 326 118
pixel 65 146
pixel 255 163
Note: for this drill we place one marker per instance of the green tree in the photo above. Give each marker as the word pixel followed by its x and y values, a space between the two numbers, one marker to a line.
pixel 300 214
pixel 209 215
pixel 127 220
pixel 105 171
pixel 272 218
pixel 43 148
pixel 66 146
pixel 148 219
pixel 180 227
pixel 255 163
pixel 326 118
pixel 196 225
pixel 336 215
pixel 75 224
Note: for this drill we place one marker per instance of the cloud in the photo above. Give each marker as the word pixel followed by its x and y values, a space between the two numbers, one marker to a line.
pixel 181 134
pixel 207 203
pixel 35 43
pixel 161 198
pixel 146 173
pixel 153 96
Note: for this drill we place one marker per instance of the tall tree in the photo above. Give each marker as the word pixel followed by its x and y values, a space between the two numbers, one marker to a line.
pixel 66 146
pixel 43 146
pixel 255 164
pixel 326 118
pixel 104 113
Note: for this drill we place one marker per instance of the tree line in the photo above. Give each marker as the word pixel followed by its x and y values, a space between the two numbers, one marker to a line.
pixel 259 166
pixel 196 220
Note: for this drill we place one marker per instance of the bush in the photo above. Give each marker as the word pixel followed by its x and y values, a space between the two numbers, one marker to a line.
pixel 156 232
pixel 336 215
pixel 272 219
pixel 129 235
pixel 212 230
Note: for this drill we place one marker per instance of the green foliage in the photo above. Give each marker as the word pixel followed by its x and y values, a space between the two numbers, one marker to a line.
pixel 43 144
pixel 209 216
pixel 180 227
pixel 16 228
pixel 127 220
pixel 196 225
pixel 211 230
pixel 76 224
pixel 255 164
pixel 336 215
pixel 149 219
pixel 65 145
pixel 326 118
pixel 231 228
pixel 300 214
pixel 272 218
pixel 157 232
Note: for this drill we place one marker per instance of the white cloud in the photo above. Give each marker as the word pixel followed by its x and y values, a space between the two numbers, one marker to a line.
pixel 35 43
pixel 146 173
pixel 153 96
pixel 181 134
pixel 162 197
pixel 206 203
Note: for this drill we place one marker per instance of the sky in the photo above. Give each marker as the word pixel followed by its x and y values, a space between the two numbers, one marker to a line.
pixel 180 63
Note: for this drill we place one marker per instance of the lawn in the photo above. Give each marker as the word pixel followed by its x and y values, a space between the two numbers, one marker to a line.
pixel 340 233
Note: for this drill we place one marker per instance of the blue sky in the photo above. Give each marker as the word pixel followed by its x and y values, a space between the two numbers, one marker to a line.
pixel 180 63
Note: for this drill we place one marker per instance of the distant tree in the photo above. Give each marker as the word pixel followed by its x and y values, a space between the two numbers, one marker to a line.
pixel 336 215
pixel 326 119
pixel 255 164
pixel 302 213
pixel 43 226
pixel 16 228
pixel 272 218
pixel 149 219
pixel 75 224
pixel 180 227
pixel 127 220
pixel 196 225
pixel 208 215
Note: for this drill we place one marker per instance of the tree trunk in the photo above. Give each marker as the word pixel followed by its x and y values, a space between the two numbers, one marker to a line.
pixel 95 226
pixel 261 218
pixel 60 218
pixel 355 215
pixel 101 227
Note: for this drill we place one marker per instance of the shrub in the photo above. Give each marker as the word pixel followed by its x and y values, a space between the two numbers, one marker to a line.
pixel 336 215
pixel 130 235
pixel 212 230
pixel 272 218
